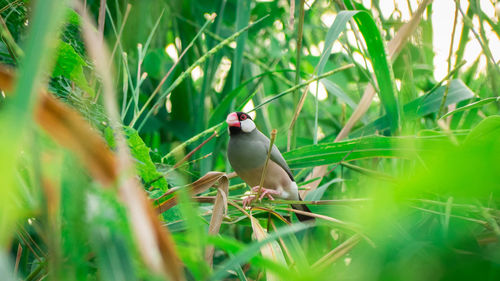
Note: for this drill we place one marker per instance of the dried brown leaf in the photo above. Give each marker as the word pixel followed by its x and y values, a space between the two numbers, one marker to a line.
pixel 218 212
pixel 205 182
pixel 70 130
pixel 270 250
pixel 284 247
pixel 197 187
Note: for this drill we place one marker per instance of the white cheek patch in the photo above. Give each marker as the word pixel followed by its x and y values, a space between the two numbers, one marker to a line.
pixel 247 125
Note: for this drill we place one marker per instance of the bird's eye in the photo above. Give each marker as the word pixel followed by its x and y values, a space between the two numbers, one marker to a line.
pixel 243 117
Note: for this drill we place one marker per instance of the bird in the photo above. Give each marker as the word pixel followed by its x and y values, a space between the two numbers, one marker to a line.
pixel 247 153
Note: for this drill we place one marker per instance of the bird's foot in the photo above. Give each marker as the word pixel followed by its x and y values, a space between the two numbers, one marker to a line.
pixel 250 196
pixel 265 192
pixel 248 199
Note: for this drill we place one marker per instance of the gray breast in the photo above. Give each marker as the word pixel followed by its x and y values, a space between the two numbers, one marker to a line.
pixel 247 151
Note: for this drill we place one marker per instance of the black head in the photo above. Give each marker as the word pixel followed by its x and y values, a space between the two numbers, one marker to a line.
pixel 239 122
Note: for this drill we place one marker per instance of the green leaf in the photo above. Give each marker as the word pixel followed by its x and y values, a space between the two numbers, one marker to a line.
pixel 430 103
pixel 242 18
pixel 422 106
pixel 471 106
pixel 317 194
pixel 238 96
pixel 380 62
pixel 107 234
pixel 367 147
pixel 73 17
pixel 70 65
pixel 333 33
pixel 145 166
pixel 254 249
pixel 334 89
pixel 486 132
pixel 16 114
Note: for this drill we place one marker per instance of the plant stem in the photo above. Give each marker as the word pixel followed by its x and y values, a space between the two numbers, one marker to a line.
pixel 445 95
pixel 264 172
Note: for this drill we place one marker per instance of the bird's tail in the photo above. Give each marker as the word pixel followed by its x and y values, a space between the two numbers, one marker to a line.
pixel 302 207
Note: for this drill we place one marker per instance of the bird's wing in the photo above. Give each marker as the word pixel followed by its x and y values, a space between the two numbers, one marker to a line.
pixel 278 159
pixel 276 156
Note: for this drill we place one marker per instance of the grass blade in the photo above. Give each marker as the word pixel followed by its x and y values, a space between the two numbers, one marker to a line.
pixel 158 88
pixel 476 104
pixel 381 66
pixel 154 241
pixel 394 47
pixel 253 249
pixel 202 59
pixel 366 147
pixel 17 112
pixel 218 212
pixel 422 106
pixel 242 18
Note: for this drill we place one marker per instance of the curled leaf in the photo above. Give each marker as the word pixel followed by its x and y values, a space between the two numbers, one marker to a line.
pixel 218 212
pixel 197 187
pixel 270 250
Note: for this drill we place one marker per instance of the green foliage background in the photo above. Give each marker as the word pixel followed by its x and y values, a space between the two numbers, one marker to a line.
pixel 411 194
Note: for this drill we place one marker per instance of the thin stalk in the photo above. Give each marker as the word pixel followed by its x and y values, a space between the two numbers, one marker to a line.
pixel 264 172
pixel 158 88
pixel 195 64
pixel 231 188
pixel 323 202
pixel 438 84
pixel 142 50
pixel 306 83
pixel 338 252
pixel 481 222
pixel 14 50
pixel 119 36
pixel 125 77
pixel 316 115
pixel 194 150
pixel 182 166
pixel 250 58
pixel 464 38
pixel 469 207
pixel 368 172
pixel 127 81
pixel 29 247
pixel 191 140
pixel 101 19
pixel 445 95
pixel 485 47
pixel 291 133
pixel 11 4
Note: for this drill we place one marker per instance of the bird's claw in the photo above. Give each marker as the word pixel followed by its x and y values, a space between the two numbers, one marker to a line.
pixel 250 196
pixel 247 200
pixel 265 192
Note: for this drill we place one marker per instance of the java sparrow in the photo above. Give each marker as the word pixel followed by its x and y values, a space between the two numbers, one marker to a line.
pixel 247 152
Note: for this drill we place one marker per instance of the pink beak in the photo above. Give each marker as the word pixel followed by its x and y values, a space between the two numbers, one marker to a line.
pixel 232 120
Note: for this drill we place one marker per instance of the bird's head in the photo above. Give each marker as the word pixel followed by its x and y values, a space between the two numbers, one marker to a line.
pixel 240 122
